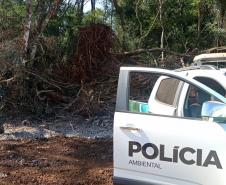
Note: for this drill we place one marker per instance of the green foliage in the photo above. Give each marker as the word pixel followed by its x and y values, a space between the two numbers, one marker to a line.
pixel 187 24
pixel 96 16
pixel 12 14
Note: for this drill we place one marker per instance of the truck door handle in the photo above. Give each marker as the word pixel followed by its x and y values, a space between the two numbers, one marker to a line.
pixel 130 127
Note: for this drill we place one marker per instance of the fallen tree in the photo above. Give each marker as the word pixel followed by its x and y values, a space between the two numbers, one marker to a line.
pixel 152 50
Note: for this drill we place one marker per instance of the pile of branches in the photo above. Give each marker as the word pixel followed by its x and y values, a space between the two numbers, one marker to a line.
pixel 48 84
pixel 93 54
pixel 96 97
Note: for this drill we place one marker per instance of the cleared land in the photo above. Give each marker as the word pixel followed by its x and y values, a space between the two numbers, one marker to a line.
pixel 56 161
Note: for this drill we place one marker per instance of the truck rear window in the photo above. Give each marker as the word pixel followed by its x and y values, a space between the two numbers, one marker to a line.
pixel 167 90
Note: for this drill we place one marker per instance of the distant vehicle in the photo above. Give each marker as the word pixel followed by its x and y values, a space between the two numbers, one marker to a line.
pixel 215 59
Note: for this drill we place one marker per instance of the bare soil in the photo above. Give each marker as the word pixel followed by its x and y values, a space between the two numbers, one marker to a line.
pixel 56 161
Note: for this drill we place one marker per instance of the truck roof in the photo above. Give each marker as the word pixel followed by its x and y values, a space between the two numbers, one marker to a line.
pixel 210 57
pixel 195 67
pixel 215 59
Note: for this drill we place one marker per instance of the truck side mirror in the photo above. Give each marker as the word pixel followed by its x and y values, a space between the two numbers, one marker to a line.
pixel 215 110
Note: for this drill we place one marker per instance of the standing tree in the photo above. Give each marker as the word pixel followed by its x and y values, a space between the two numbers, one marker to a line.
pixel 161 2
pixel 222 8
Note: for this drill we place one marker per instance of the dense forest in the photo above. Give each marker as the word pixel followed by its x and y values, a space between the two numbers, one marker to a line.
pixel 64 55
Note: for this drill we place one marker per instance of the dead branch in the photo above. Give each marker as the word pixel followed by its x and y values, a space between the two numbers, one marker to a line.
pixel 38 93
pixel 215 49
pixel 7 81
pixel 51 95
pixel 43 79
pixel 140 51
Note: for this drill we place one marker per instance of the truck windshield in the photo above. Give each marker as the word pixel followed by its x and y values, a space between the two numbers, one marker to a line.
pixel 218 64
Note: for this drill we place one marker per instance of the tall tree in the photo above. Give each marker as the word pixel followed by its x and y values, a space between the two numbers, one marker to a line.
pixel 79 11
pixel 119 12
pixel 27 28
pixel 44 11
pixel 161 2
pixel 222 7
pixel 93 5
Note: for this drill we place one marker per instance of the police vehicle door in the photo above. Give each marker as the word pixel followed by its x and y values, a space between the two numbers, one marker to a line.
pixel 159 148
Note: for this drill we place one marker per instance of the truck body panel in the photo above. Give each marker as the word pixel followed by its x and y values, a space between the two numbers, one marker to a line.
pixel 163 146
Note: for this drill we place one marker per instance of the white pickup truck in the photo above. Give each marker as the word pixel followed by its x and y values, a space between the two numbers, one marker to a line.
pixel 215 59
pixel 170 127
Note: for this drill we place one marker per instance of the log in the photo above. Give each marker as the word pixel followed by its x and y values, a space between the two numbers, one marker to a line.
pixel 140 51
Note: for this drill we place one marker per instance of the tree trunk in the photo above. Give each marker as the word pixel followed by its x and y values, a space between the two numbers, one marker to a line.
pixel 199 21
pixel 162 26
pixel 93 7
pixel 138 19
pixel 222 18
pixel 111 14
pixel 44 13
pixel 27 29
pixel 80 11
pixel 120 13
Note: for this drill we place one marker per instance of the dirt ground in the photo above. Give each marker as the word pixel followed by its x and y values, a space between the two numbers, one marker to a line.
pixel 56 161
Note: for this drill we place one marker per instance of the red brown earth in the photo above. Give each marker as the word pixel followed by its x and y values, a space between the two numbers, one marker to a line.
pixel 56 161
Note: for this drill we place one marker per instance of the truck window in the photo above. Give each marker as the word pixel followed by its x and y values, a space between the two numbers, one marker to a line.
pixel 167 90
pixel 163 95
pixel 194 101
pixel 213 84
pixel 217 64
pixel 141 85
